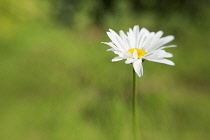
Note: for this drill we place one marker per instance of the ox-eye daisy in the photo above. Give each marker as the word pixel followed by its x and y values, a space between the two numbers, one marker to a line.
pixel 135 47
pixel 139 45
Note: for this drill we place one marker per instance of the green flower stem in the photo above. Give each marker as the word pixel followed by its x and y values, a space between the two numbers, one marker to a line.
pixel 135 113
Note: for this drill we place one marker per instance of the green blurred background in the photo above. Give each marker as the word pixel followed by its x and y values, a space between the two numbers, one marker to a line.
pixel 57 81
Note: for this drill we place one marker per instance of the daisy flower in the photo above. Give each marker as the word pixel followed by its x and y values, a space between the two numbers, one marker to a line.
pixel 139 45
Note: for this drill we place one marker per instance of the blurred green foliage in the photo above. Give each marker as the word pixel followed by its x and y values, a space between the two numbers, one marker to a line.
pixel 58 82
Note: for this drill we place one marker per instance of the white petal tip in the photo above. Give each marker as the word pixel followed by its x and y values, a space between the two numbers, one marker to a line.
pixel 110 30
pixel 104 42
pixel 110 49
pixel 116 59
pixel 170 63
pixel 137 65
pixel 140 75
pixel 171 37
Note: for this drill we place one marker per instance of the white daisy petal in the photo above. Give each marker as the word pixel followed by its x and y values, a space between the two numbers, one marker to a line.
pixel 129 60
pixel 169 46
pixel 142 37
pixel 122 34
pixel 165 61
pixel 157 36
pixel 110 44
pixel 136 34
pixel 131 38
pixel 136 28
pixel 168 55
pixel 125 39
pixel 117 59
pixel 119 53
pixel 158 54
pixel 137 65
pixel 111 49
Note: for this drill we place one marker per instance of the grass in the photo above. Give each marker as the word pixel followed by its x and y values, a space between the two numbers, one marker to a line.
pixel 59 84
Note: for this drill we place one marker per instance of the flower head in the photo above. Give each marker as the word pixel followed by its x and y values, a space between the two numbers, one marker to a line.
pixel 138 45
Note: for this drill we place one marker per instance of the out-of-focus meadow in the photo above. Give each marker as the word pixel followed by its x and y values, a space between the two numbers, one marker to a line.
pixel 57 81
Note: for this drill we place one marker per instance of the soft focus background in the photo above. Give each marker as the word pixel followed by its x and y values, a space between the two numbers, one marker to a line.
pixel 57 81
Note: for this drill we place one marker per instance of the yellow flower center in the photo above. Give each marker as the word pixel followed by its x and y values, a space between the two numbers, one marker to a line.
pixel 140 52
